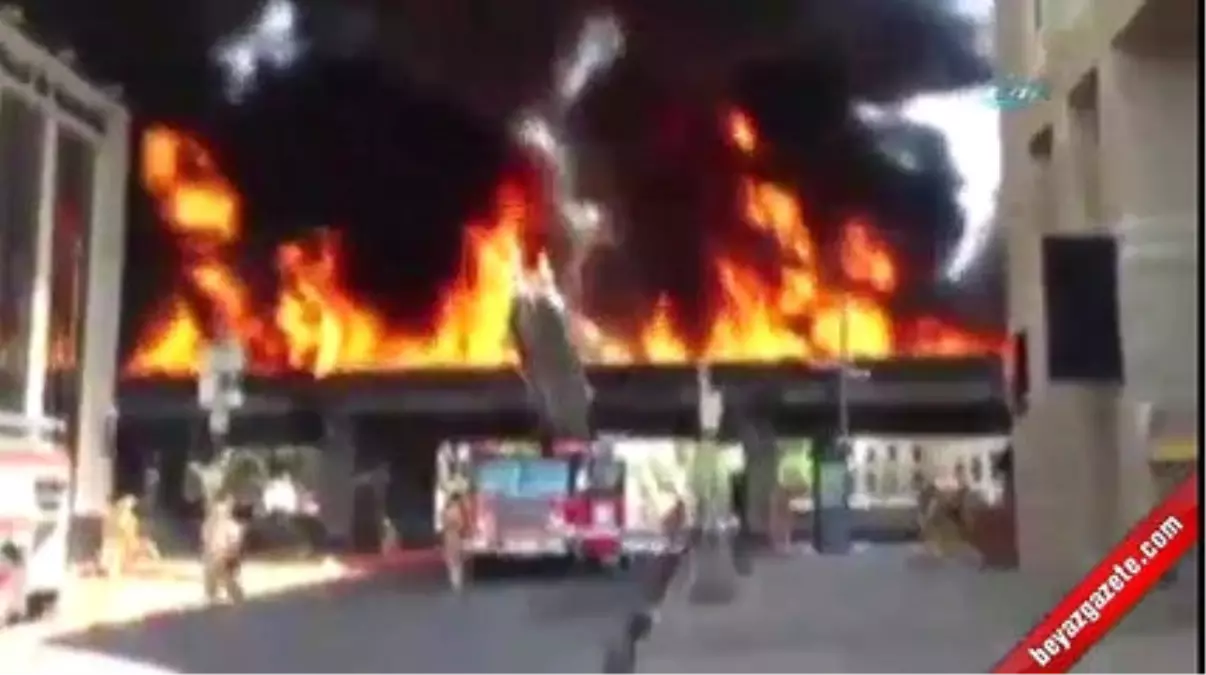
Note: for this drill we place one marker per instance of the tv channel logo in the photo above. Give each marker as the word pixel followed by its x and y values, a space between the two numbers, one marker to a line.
pixel 1015 93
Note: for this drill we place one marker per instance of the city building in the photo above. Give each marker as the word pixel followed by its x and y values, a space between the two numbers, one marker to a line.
pixel 1112 149
pixel 64 146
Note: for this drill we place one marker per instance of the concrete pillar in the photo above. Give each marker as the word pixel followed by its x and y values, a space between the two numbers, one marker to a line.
pixel 833 521
pixel 1151 148
pixel 1123 159
pixel 98 355
pixel 1061 504
pixel 337 481
pixel 761 474
pixel 1065 461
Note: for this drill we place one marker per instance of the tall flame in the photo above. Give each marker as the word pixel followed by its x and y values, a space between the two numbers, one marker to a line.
pixel 316 324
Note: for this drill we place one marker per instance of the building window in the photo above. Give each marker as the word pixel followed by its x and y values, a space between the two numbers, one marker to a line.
pixel 21 133
pixel 917 454
pixel 891 453
pixel 1038 13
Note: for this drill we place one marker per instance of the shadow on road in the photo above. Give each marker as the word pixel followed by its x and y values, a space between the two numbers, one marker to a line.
pixel 513 619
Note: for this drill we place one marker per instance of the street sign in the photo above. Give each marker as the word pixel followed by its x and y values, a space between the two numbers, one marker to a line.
pixel 711 403
pixel 1013 93
pixel 220 383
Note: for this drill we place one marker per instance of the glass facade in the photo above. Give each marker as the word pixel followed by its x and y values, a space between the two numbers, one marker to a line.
pixel 73 189
pixel 42 165
pixel 22 128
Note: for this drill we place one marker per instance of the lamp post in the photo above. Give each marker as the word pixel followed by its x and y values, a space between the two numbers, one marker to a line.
pixel 843 395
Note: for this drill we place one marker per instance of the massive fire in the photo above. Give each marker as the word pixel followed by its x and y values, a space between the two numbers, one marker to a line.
pixel 316 324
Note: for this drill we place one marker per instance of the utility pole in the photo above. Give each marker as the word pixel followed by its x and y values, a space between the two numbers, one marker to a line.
pixel 844 364
pixel 713 569
pixel 831 475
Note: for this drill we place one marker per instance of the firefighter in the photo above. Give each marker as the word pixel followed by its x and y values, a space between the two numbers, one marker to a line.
pixel 122 541
pixel 454 527
pixel 945 518
pixel 928 512
pixel 222 552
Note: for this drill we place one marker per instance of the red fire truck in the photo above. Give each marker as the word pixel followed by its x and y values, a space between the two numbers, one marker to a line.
pixel 565 500
pixel 35 474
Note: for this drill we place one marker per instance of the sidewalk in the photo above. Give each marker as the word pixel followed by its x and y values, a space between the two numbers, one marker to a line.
pixel 175 585
pixel 884 610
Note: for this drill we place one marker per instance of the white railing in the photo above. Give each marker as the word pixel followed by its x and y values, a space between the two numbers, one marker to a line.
pixel 885 473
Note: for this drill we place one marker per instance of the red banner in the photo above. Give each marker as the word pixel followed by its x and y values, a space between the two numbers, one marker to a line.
pixel 1112 589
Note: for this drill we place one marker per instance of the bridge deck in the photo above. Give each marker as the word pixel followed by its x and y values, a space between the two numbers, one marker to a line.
pixel 964 396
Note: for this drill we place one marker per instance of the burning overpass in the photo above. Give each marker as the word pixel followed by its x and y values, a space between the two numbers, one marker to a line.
pixel 330 368
pixel 777 309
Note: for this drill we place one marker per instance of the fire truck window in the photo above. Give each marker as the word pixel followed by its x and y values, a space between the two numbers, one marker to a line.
pixel 21 131
pixel 10 554
pixel 49 494
pixel 497 477
pixel 544 478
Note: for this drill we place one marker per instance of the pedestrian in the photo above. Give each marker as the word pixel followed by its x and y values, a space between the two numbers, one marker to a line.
pixel 454 527
pixel 222 552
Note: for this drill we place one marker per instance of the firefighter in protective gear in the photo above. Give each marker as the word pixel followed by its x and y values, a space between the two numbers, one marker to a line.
pixel 454 527
pixel 222 552
pixel 945 518
pixel 122 542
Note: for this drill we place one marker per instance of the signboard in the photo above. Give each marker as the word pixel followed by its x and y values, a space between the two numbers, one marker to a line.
pixel 1175 449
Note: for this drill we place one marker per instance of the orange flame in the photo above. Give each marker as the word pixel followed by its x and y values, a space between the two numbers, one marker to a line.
pixel 316 324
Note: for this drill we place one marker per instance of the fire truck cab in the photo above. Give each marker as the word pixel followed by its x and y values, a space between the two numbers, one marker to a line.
pixel 35 479
pixel 528 501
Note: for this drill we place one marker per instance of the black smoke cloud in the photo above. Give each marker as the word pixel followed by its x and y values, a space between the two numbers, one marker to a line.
pixel 647 131
pixel 499 56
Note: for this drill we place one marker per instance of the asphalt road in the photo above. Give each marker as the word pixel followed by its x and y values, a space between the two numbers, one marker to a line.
pixel 529 620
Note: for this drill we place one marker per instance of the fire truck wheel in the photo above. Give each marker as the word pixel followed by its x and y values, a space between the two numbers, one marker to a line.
pixel 41 605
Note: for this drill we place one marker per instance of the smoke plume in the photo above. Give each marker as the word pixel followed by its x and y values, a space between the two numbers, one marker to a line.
pixel 646 133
